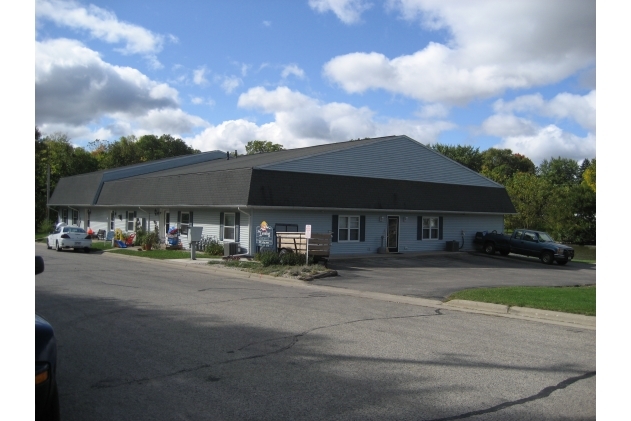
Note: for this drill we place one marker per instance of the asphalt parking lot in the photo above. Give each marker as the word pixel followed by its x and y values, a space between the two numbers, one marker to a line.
pixel 438 275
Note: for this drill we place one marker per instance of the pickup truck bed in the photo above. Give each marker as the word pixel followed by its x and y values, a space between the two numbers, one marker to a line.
pixel 527 243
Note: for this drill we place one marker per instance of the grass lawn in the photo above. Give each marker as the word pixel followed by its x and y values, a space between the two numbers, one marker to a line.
pixel 578 299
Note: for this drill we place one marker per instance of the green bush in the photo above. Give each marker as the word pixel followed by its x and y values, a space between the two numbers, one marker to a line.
pixel 293 259
pixel 214 248
pixel 268 258
pixel 140 237
pixel 46 226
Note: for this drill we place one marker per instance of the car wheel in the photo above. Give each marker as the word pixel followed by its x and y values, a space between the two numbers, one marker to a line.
pixel 489 248
pixel 547 258
pixel 504 252
pixel 87 249
pixel 48 246
pixel 57 246
pixel 562 262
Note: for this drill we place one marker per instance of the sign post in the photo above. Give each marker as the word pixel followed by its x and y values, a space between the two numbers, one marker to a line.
pixel 307 236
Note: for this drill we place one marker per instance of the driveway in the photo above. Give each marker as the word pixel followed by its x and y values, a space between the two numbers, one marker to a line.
pixel 438 275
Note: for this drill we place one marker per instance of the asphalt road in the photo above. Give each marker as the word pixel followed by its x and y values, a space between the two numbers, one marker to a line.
pixel 146 340
pixel 437 276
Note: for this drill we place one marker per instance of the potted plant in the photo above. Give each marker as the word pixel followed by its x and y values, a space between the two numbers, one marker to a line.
pixel 150 241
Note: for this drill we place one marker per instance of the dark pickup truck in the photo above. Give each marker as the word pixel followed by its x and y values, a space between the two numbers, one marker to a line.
pixel 526 242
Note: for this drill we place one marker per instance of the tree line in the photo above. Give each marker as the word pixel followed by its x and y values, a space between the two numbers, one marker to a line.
pixel 558 196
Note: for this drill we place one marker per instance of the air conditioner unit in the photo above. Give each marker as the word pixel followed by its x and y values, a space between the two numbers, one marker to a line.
pixel 230 249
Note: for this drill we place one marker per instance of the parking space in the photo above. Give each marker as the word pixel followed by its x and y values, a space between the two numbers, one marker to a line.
pixel 438 275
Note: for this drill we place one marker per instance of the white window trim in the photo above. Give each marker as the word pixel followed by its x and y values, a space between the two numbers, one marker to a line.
pixel 348 228
pixel 234 227
pixel 430 229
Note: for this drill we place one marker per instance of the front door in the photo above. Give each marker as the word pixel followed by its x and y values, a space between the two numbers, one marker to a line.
pixel 393 234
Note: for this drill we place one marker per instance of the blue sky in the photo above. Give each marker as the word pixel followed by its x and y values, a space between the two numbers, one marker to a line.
pixel 518 74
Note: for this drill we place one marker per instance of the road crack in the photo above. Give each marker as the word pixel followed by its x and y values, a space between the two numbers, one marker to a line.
pixel 544 393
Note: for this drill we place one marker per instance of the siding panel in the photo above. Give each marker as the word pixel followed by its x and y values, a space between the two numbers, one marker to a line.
pixel 399 158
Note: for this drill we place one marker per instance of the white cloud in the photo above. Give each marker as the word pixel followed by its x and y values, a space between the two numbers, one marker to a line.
pixel 199 76
pixel 75 88
pixel 581 109
pixel 434 111
pixel 348 11
pixel 294 70
pixel 503 125
pixel 230 83
pixel 549 142
pixel 201 101
pixel 303 121
pixel 267 23
pixel 103 25
pixel 495 45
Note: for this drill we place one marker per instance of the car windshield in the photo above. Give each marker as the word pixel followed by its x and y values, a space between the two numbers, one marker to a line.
pixel 544 237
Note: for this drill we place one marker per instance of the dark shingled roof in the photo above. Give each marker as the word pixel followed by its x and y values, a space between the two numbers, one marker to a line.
pixel 254 187
pixel 244 181
pixel 77 190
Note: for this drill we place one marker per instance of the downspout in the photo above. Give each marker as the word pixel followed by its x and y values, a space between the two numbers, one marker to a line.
pixel 250 248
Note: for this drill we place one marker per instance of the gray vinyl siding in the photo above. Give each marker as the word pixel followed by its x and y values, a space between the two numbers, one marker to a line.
pixel 321 222
pixel 210 222
pixel 399 158
pixel 99 219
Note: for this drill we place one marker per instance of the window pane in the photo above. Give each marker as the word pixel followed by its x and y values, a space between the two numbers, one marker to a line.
pixel 229 219
pixel 354 234
pixel 425 222
pixel 185 218
pixel 434 233
pixel 425 232
pixel 342 222
pixel 343 235
pixel 433 222
pixel 354 222
pixel 228 233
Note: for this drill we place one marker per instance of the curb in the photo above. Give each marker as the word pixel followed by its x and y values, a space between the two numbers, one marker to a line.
pixel 524 312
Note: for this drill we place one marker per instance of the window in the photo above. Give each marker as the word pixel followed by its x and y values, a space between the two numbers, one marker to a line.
pixel 348 228
pixel 75 217
pixel 286 228
pixel 64 215
pixel 131 221
pixel 228 227
pixel 112 218
pixel 530 236
pixel 185 220
pixel 430 228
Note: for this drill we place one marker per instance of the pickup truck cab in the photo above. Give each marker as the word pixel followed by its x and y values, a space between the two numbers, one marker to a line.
pixel 526 242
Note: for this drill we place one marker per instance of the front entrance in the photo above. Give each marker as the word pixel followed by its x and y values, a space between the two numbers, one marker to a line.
pixel 393 234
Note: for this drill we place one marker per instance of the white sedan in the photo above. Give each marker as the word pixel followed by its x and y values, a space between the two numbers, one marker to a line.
pixel 65 237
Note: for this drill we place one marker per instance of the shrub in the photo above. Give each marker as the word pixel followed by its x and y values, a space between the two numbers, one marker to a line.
pixel 140 237
pixel 268 258
pixel 292 259
pixel 213 248
pixel 46 226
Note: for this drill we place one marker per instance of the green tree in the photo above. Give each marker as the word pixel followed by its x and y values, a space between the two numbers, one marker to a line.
pixel 258 146
pixel 501 165
pixel 57 153
pixel 560 171
pixel 589 175
pixel 530 195
pixel 468 156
